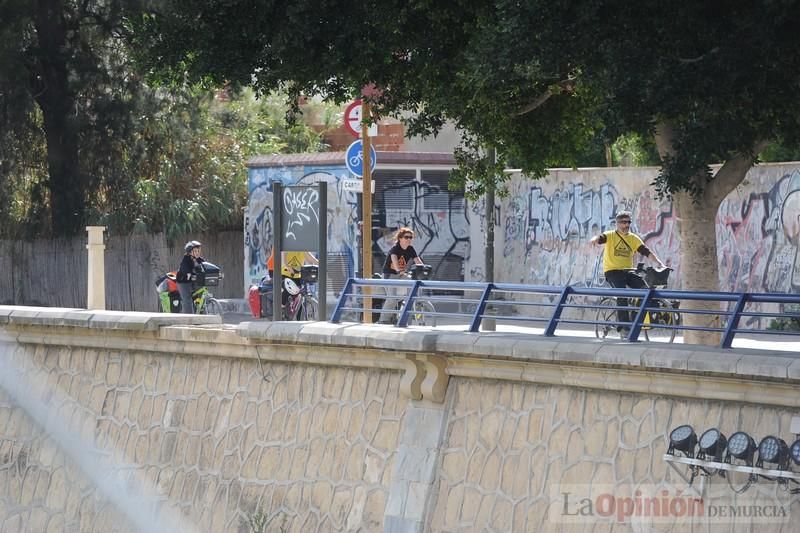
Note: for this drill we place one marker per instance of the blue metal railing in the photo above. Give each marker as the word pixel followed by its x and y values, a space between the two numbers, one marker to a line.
pixel 558 306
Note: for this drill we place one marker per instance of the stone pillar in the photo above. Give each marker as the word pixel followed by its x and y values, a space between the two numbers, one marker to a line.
pixel 96 282
pixel 412 488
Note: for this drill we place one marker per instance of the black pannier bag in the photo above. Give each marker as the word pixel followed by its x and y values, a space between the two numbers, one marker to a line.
pixel 208 275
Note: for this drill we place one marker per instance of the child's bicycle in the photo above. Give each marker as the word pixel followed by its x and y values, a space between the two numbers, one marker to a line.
pixel 204 301
pixel 661 318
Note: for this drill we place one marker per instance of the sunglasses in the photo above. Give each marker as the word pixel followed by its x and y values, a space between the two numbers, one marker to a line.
pixel 406 236
pixel 623 221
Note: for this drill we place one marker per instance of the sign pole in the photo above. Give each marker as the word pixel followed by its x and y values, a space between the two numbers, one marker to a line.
pixel 366 208
pixel 277 246
pixel 322 253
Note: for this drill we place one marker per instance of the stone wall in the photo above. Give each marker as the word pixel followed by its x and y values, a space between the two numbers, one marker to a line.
pixel 126 422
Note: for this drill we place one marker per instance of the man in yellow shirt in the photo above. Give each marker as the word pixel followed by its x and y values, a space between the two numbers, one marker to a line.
pixel 620 245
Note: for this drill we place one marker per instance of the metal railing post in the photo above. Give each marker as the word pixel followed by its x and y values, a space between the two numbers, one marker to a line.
pixel 337 311
pixel 550 330
pixel 636 327
pixel 475 323
pixel 733 322
pixel 402 320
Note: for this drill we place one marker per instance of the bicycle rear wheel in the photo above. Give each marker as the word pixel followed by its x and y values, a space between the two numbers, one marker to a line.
pixel 420 315
pixel 310 309
pixel 212 307
pixel 667 317
pixel 606 314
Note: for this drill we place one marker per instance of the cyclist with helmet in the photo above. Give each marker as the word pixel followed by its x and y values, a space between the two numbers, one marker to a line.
pixel 191 264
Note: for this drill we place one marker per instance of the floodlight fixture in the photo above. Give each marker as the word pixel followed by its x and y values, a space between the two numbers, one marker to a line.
pixel 773 450
pixel 682 439
pixel 794 452
pixel 712 445
pixel 741 446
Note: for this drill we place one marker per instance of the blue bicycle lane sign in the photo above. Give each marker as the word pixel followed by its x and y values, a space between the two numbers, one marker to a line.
pixel 354 158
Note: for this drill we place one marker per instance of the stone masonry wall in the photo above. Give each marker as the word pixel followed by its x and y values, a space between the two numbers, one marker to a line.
pixel 140 422
pixel 510 451
pixel 311 448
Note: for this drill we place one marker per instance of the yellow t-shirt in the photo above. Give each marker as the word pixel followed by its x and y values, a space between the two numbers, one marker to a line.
pixel 291 259
pixel 618 250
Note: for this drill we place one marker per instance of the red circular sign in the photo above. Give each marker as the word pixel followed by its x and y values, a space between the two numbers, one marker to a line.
pixel 352 118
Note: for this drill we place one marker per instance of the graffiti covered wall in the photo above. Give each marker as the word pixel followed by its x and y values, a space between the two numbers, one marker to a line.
pixel 543 227
pixel 439 219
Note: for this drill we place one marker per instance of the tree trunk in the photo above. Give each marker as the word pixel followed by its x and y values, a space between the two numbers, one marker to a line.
pixel 696 223
pixel 699 266
pixel 49 78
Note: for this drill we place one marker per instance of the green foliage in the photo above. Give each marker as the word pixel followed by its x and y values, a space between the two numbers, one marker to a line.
pixel 257 522
pixel 633 150
pixel 790 323
pixel 195 178
pixel 780 151
pixel 85 140
pixel 544 83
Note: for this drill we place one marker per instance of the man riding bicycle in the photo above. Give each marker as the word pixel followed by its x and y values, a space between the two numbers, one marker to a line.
pixel 620 245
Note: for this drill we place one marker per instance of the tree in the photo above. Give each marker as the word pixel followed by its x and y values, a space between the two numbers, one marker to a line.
pixel 61 96
pixel 539 81
pixel 195 176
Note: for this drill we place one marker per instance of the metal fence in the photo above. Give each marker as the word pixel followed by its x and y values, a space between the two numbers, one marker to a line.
pixel 652 314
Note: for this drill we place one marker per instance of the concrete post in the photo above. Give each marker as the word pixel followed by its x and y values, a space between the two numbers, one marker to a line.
pixel 96 282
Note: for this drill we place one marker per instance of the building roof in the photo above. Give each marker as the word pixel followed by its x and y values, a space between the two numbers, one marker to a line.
pixel 337 158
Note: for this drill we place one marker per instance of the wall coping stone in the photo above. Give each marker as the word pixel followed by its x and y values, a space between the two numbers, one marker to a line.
pixel 98 319
pixel 759 376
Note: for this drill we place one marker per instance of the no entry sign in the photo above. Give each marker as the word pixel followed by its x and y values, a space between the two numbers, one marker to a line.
pixel 352 120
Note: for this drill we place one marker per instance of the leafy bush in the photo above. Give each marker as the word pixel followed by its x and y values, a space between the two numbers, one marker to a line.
pixel 790 323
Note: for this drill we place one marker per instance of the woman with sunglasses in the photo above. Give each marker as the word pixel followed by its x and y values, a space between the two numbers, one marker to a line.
pixel 620 245
pixel 400 255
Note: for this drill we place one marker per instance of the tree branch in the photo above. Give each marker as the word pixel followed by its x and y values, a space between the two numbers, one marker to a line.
pixel 698 58
pixel 563 86
pixel 732 172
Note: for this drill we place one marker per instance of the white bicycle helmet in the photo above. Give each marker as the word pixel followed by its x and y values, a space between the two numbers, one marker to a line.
pixel 191 245
pixel 291 287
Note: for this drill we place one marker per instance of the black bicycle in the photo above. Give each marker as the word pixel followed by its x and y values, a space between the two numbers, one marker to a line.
pixel 661 317
pixel 302 303
pixel 421 313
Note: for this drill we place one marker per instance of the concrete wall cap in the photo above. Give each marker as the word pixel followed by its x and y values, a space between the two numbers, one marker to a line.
pixel 98 319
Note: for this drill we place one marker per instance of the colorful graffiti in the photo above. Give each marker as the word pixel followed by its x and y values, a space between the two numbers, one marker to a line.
pixel 543 227
pixel 547 223
pixel 442 231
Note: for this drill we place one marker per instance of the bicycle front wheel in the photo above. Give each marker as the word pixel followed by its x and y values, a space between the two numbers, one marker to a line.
pixel 606 314
pixel 421 314
pixel 667 317
pixel 212 307
pixel 310 309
